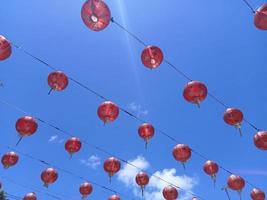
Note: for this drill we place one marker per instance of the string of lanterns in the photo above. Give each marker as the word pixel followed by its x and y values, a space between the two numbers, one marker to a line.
pixel 111 165
pixel 152 58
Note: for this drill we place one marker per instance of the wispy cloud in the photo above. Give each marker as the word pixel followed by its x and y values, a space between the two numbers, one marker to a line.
pixel 53 138
pixel 254 172
pixel 141 112
pixel 154 189
pixel 93 161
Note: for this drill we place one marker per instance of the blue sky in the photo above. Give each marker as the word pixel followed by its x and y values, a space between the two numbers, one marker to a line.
pixel 212 41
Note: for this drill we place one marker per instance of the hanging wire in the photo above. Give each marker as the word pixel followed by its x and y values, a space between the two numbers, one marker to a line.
pixel 249 6
pixel 175 68
pixel 113 191
pixel 33 189
pixel 121 159
pixel 92 146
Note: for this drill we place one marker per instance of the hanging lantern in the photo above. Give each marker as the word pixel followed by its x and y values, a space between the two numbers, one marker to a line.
pixel 114 197
pixel 30 196
pixel 26 126
pixel 146 131
pixel 170 193
pixel 73 145
pixel 142 179
pixel 49 176
pixel 257 194
pixel 108 112
pixel 211 168
pixel 9 159
pixel 112 166
pixel 195 92
pixel 260 140
pixel 233 117
pixel 152 57
pixel 5 48
pixel 181 153
pixel 57 81
pixel 260 18
pixel 96 14
pixel 236 183
pixel 86 189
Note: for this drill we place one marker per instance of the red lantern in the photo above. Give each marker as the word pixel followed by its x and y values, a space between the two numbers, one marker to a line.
pixel 146 131
pixel 49 176
pixel 260 18
pixel 112 166
pixel 257 194
pixel 195 92
pixel 170 193
pixel 233 117
pixel 5 48
pixel 114 197
pixel 152 57
pixel 96 14
pixel 260 140
pixel 236 183
pixel 86 189
pixel 26 126
pixel 108 111
pixel 211 168
pixel 181 153
pixel 57 81
pixel 142 179
pixel 73 145
pixel 9 159
pixel 30 196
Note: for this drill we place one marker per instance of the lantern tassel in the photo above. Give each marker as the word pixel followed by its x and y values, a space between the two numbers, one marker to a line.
pixel 146 143
pixel 213 177
pixel 198 102
pixel 183 164
pixel 239 193
pixel 50 91
pixel 142 190
pixel 226 191
pixel 19 141
pixel 238 126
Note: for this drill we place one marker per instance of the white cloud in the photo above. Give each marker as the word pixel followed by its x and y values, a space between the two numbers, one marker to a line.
pixel 137 109
pixel 154 189
pixel 92 162
pixel 53 138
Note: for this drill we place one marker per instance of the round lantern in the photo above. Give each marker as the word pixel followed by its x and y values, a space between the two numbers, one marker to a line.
pixel 85 189
pixel 170 193
pixel 260 140
pixel 211 168
pixel 5 48
pixel 112 166
pixel 30 196
pixel 146 131
pixel 260 18
pixel 114 197
pixel 234 117
pixel 142 179
pixel 108 112
pixel 73 145
pixel 26 126
pixel 195 92
pixel 152 57
pixel 182 153
pixel 49 176
pixel 57 81
pixel 9 159
pixel 96 14
pixel 257 194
